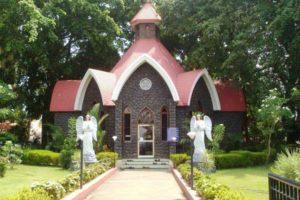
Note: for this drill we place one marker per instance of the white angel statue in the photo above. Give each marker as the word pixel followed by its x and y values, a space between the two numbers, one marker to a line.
pixel 87 132
pixel 200 127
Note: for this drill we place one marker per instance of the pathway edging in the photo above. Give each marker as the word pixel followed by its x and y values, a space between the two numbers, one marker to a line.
pixel 89 187
pixel 186 189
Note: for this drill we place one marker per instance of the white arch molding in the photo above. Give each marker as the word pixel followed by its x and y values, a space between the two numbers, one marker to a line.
pixel 134 66
pixel 211 89
pixel 104 80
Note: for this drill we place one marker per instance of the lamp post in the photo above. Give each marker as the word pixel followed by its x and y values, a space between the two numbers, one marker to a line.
pixel 192 162
pixel 114 139
pixel 81 162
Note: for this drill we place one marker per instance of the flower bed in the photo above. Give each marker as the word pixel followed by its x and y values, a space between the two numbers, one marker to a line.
pixel 57 189
pixel 206 187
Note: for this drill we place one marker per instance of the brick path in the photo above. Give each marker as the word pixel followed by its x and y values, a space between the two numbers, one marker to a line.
pixel 139 184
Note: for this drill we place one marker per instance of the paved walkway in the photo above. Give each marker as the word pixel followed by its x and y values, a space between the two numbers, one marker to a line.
pixel 139 184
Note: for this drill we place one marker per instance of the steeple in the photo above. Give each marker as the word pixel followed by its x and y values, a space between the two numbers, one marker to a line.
pixel 144 22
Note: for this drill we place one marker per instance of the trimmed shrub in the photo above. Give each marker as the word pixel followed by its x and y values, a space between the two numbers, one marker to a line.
pixel 54 189
pixel 206 187
pixel 108 157
pixel 40 157
pixel 236 159
pixel 28 194
pixel 13 153
pixel 179 158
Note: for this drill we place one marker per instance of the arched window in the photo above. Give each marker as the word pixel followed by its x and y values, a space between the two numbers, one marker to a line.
pixel 126 124
pixel 146 116
pixel 200 107
pixel 164 123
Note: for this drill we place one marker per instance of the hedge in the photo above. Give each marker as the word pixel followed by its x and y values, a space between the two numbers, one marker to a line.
pixel 110 157
pixel 206 187
pixel 40 157
pixel 233 159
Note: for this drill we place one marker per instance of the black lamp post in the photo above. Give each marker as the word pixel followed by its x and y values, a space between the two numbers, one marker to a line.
pixel 114 139
pixel 81 163
pixel 192 161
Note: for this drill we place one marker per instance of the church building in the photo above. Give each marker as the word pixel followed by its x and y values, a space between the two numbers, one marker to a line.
pixel 146 93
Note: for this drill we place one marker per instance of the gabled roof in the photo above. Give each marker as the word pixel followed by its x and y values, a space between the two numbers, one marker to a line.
pixel 186 83
pixel 154 49
pixel 146 15
pixel 63 96
pixel 105 82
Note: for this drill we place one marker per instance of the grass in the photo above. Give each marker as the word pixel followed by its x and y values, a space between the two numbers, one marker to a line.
pixel 253 182
pixel 24 175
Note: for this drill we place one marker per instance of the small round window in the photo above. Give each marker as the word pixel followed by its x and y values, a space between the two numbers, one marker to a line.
pixel 145 84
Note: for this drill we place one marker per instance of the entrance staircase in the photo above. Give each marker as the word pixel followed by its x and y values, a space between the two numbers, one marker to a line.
pixel 144 163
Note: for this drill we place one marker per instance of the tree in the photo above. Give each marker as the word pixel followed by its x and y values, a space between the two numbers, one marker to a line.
pixel 270 116
pixel 43 41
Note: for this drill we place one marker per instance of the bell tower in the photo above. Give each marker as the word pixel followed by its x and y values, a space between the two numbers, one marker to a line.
pixel 144 23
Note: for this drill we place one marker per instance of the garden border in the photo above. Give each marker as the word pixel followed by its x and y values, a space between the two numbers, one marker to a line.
pixel 185 188
pixel 89 187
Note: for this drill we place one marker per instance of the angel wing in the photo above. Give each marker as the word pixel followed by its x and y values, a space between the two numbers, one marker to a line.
pixel 95 128
pixel 192 133
pixel 192 124
pixel 208 127
pixel 79 128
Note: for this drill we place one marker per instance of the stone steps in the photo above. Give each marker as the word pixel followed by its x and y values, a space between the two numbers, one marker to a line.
pixel 144 163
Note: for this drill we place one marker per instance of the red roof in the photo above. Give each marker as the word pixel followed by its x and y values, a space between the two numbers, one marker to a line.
pixel 231 97
pixel 154 49
pixel 146 15
pixel 185 86
pixel 63 96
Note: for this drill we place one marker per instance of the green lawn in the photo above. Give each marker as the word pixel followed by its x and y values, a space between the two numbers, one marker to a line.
pixel 24 175
pixel 253 182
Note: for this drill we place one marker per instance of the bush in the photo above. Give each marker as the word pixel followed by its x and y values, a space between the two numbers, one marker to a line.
pixel 28 194
pixel 108 157
pixel 288 165
pixel 57 135
pixel 54 189
pixel 206 187
pixel 218 134
pixel 7 136
pixel 3 166
pixel 179 158
pixel 236 159
pixel 69 146
pixel 41 157
pixel 12 152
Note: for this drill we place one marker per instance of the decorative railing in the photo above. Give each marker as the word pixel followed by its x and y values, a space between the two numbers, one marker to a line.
pixel 281 188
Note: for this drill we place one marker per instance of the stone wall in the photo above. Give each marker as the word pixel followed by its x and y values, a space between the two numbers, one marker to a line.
pixel 137 99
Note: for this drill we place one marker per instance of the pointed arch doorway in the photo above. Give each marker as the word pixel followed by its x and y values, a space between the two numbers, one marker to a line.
pixel 146 134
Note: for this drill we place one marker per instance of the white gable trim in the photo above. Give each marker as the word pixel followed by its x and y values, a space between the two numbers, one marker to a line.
pixel 95 74
pixel 211 89
pixel 133 67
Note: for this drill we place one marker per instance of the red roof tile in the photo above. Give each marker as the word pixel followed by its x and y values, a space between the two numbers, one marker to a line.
pixel 63 96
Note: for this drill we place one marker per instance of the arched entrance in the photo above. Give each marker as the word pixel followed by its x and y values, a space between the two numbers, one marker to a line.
pixel 146 133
